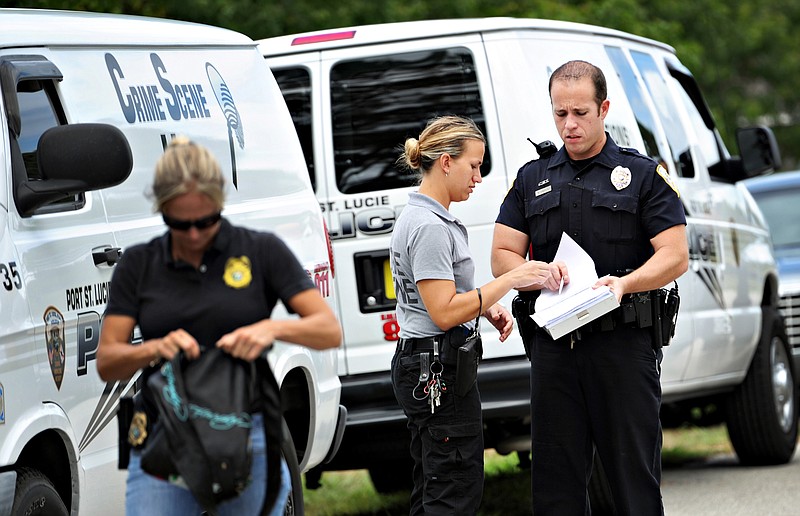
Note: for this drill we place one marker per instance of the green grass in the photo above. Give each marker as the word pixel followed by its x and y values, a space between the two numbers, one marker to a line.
pixel 507 486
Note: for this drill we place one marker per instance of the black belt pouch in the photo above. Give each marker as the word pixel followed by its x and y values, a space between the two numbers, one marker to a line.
pixel 469 356
pixel 124 418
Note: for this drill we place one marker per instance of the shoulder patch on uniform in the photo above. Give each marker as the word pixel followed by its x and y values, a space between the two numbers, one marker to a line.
pixel 667 179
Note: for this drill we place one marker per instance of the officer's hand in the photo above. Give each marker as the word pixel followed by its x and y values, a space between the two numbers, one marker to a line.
pixel 614 285
pixel 178 340
pixel 248 342
pixel 501 319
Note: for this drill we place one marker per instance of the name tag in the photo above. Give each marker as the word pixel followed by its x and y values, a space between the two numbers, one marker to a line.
pixel 542 191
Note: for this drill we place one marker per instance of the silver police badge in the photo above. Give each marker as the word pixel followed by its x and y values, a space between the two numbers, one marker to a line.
pixel 620 177
pixel 54 333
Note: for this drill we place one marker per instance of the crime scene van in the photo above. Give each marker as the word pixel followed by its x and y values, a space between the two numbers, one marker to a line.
pixel 88 104
pixel 357 93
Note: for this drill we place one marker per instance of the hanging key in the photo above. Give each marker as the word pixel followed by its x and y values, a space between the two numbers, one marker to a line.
pixel 438 381
pixel 434 395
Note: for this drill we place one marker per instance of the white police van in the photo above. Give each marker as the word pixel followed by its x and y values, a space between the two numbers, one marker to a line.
pixel 357 93
pixel 88 103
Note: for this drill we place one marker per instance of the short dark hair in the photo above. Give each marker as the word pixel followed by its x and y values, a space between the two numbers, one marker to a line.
pixel 574 70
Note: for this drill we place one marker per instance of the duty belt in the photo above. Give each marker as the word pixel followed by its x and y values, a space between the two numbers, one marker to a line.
pixel 635 311
pixel 416 345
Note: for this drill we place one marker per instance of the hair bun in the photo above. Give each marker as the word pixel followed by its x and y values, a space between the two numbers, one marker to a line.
pixel 412 153
pixel 180 140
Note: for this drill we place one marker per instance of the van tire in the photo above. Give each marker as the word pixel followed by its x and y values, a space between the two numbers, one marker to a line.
pixel 762 411
pixel 294 505
pixel 35 495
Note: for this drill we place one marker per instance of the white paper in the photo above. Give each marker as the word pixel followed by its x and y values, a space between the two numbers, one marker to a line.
pixel 552 307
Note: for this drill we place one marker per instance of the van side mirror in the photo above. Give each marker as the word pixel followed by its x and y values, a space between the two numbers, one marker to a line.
pixel 758 150
pixel 72 159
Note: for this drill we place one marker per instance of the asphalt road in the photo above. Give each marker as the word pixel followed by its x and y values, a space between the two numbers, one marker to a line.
pixel 720 486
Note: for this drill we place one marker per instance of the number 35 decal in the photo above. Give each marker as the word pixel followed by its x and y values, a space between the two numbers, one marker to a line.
pixel 9 276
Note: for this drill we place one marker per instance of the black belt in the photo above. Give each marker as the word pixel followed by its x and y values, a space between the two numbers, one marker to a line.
pixel 417 345
pixel 625 316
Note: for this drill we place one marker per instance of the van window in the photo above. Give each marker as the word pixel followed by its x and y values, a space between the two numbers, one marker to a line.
pixel 667 112
pixel 39 111
pixel 378 102
pixel 706 138
pixel 644 116
pixel 295 84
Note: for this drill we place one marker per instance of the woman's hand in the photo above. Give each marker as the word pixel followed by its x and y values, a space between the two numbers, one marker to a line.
pixel 178 340
pixel 248 342
pixel 541 274
pixel 501 319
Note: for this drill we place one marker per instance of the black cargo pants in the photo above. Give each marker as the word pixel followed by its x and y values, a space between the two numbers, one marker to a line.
pixel 446 446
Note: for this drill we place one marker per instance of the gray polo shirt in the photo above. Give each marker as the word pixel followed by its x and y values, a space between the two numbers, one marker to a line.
pixel 428 242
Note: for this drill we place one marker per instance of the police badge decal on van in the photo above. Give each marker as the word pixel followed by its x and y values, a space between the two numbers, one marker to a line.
pixel 54 335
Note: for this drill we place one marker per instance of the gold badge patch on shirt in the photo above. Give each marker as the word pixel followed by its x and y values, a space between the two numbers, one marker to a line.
pixel 665 176
pixel 237 272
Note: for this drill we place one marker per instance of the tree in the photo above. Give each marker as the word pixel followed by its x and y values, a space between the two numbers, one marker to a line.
pixel 742 53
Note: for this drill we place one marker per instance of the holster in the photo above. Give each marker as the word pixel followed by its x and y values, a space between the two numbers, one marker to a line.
pixel 124 418
pixel 665 304
pixel 521 309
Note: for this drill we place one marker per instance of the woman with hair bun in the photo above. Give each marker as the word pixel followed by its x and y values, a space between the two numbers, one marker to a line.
pixel 437 309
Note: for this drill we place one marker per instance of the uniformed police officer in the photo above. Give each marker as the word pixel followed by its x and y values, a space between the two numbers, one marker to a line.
pixel 437 308
pixel 598 387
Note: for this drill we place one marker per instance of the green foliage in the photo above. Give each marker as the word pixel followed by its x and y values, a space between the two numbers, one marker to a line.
pixel 743 54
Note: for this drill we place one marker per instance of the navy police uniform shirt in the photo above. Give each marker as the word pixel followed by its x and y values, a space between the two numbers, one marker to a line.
pixel 241 278
pixel 611 205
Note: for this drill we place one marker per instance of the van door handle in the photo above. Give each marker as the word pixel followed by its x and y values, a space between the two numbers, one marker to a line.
pixel 109 255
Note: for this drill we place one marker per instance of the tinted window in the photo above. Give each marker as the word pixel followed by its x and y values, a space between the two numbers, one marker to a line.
pixel 295 84
pixel 781 208
pixel 706 138
pixel 667 112
pixel 633 90
pixel 38 105
pixel 36 116
pixel 378 102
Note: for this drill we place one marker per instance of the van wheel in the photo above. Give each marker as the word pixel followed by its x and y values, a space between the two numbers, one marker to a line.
pixel 762 411
pixel 35 494
pixel 294 504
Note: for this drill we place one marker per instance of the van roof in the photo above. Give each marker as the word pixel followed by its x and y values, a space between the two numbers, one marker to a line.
pixel 44 27
pixel 400 31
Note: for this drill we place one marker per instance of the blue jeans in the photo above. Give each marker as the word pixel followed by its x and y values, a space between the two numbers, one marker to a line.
pixel 147 495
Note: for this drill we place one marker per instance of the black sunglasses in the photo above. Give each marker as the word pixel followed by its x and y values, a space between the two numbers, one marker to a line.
pixel 185 225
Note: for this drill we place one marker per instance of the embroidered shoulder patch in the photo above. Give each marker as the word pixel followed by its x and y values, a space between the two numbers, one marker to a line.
pixel 665 176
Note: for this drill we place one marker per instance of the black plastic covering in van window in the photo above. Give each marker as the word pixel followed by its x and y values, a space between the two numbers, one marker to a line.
pixel 378 102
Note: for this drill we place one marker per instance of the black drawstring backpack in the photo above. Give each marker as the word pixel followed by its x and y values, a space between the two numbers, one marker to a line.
pixel 202 430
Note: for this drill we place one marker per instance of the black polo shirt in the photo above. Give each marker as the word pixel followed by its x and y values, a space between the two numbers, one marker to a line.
pixel 611 205
pixel 241 278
